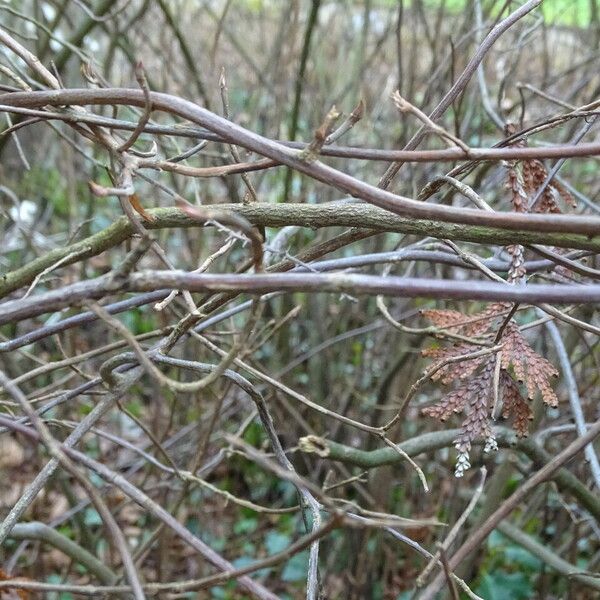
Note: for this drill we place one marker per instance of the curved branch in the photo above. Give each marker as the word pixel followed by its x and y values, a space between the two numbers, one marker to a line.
pixel 236 134
pixel 499 151
pixel 35 530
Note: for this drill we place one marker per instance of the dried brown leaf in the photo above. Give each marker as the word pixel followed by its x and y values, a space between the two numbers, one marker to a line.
pixel 514 405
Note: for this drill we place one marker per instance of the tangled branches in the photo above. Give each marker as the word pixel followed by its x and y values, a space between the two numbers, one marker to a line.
pixel 193 373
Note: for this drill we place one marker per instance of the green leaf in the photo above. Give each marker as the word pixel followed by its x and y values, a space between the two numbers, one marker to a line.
pixel 296 568
pixel 501 585
pixel 516 555
pixel 512 554
pixel 57 579
pixel 243 561
pixel 135 408
pixel 245 526
pixel 276 542
pixel 254 434
pixel 91 517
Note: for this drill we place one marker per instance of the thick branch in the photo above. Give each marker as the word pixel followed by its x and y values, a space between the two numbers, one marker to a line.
pixel 371 285
pixel 498 152
pixel 306 215
pixel 436 440
pixel 236 134
pixel 40 531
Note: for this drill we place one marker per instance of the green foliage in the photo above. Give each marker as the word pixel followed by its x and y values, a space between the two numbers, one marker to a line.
pixel 501 585
pixel 276 541
pixel 245 526
pixel 295 568
pixel 135 407
pixel 57 579
pixel 91 518
pixel 564 12
pixel 509 571
pixel 51 182
pixel 254 434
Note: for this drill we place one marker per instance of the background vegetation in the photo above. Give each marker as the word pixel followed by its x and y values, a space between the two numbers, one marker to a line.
pixel 174 480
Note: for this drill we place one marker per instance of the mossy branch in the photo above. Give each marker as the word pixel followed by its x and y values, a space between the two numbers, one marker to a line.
pixel 304 215
pixel 430 442
pixel 40 531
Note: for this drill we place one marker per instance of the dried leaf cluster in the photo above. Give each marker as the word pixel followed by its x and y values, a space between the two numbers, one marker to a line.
pixel 514 375
pixel 509 379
